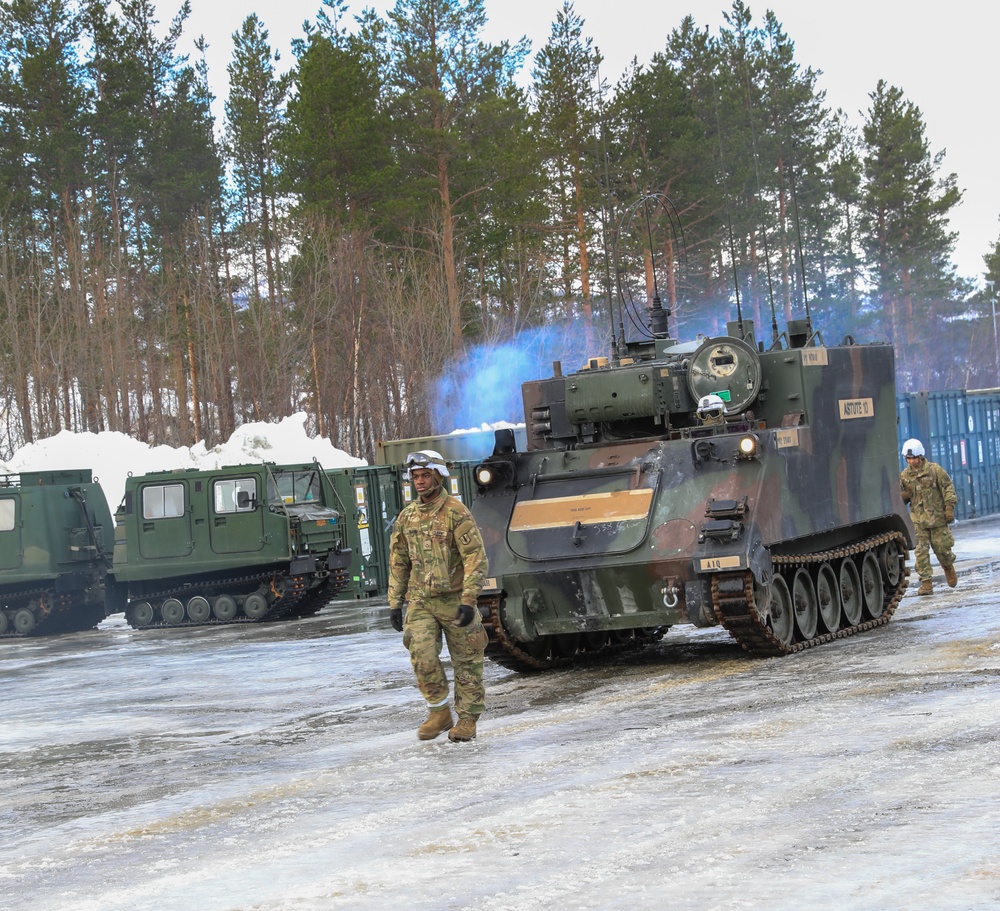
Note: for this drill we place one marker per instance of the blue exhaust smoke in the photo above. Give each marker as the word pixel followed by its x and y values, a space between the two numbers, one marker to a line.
pixel 484 386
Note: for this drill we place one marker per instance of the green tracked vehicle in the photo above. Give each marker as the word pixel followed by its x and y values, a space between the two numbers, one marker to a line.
pixel 242 543
pixel 56 544
pixel 710 482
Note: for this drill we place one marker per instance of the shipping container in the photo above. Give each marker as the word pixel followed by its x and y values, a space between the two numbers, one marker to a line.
pixel 463 446
pixel 373 497
pixel 959 430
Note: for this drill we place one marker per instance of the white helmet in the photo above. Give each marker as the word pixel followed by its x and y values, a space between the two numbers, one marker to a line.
pixel 913 448
pixel 711 407
pixel 426 458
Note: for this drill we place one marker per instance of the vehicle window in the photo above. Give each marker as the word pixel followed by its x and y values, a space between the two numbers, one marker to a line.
pixel 228 495
pixel 163 501
pixel 296 486
pixel 7 509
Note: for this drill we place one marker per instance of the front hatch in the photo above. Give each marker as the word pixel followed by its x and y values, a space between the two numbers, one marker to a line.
pixel 582 513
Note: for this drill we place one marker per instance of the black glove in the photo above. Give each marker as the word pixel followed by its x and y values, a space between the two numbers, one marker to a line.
pixel 396 618
pixel 464 615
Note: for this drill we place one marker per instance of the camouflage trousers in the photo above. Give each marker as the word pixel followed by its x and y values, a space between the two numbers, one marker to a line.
pixel 426 620
pixel 941 539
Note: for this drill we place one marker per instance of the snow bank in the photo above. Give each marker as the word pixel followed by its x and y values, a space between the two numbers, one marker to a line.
pixel 113 456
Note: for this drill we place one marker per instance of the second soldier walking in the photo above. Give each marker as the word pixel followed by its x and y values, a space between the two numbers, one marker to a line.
pixel 930 493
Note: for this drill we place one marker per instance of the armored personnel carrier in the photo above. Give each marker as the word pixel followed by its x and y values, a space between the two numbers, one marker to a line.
pixel 709 482
pixel 56 542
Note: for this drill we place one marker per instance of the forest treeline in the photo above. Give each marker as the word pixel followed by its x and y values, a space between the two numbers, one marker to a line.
pixel 407 198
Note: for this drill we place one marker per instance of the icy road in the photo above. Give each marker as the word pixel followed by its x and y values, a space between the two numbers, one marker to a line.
pixel 276 768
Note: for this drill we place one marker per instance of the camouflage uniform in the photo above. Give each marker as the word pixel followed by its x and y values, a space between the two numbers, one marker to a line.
pixel 437 562
pixel 930 492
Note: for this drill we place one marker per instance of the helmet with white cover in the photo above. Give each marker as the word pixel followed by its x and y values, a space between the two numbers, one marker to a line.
pixel 913 448
pixel 711 408
pixel 426 458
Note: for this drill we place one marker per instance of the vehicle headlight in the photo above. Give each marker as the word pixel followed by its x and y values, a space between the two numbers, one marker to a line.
pixel 493 474
pixel 748 446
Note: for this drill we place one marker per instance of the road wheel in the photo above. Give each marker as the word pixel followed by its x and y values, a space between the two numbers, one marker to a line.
pixel 828 597
pixel 890 559
pixel 255 606
pixel 850 592
pixel 780 616
pixel 172 611
pixel 804 601
pixel 198 609
pixel 224 607
pixel 565 645
pixel 871 585
pixel 141 614
pixel 24 620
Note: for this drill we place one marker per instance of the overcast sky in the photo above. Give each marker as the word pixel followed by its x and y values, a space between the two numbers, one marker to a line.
pixel 943 56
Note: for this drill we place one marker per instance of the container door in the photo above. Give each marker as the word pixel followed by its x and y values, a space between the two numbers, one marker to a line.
pixel 386 502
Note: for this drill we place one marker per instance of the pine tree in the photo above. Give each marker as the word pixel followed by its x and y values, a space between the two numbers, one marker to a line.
pixel 254 112
pixel 254 119
pixel 443 73
pixel 795 118
pixel 505 233
pixel 160 175
pixel 335 149
pixel 664 120
pixel 44 109
pixel 336 158
pixel 986 302
pixel 842 270
pixel 565 85
pixel 905 230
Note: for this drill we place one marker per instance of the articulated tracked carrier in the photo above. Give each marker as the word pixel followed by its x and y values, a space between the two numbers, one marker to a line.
pixel 56 542
pixel 241 543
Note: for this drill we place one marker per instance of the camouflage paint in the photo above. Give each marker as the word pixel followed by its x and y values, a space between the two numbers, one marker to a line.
pixel 588 531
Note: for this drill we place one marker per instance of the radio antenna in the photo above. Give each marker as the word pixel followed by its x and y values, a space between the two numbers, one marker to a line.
pixel 756 165
pixel 607 217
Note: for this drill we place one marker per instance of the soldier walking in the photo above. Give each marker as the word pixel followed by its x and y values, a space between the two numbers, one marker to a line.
pixel 929 491
pixel 437 566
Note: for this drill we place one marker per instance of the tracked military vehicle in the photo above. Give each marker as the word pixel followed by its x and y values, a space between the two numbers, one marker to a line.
pixel 243 543
pixel 777 515
pixel 56 542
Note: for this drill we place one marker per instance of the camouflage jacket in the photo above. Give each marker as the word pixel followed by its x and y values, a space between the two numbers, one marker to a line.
pixel 436 549
pixel 928 489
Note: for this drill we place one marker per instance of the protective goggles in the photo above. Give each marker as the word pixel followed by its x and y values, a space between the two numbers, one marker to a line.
pixel 419 460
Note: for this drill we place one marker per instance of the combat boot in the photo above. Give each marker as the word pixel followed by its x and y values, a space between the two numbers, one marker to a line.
pixel 464 730
pixel 950 575
pixel 926 588
pixel 438 721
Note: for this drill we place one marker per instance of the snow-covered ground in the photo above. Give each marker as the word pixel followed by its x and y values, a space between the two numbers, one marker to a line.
pixel 275 768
